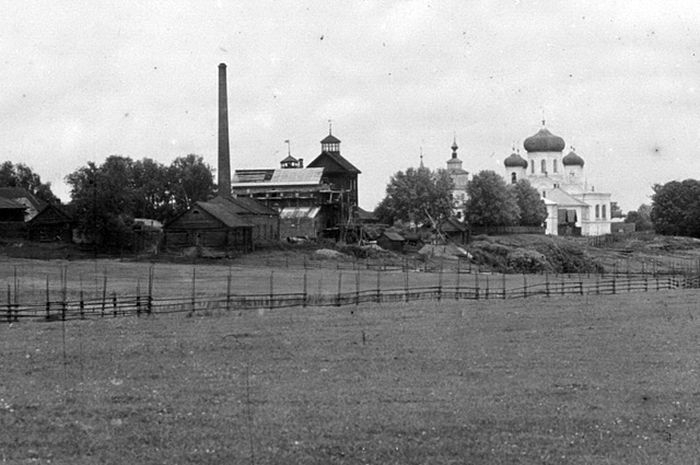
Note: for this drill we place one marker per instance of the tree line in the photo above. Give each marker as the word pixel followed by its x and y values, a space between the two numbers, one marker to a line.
pixel 423 196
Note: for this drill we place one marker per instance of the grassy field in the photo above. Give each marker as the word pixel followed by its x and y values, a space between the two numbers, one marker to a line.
pixel 604 380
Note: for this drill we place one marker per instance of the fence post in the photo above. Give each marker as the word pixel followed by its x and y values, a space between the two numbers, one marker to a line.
pixel 114 304
pixel 580 287
pixel 439 296
pixel 476 285
pixel 614 284
pixel 458 278
pixel 524 285
pixel 306 294
pixel 138 297
pixel 64 292
pixel 194 290
pixel 149 302
pixel 503 277
pixel 487 287
pixel 546 283
pixel 597 284
pixel 9 303
pixel 272 288
pixel 646 283
pixel 104 293
pixel 340 288
pixel 357 287
pixel 48 299
pixel 405 286
pixel 379 295
pixel 82 305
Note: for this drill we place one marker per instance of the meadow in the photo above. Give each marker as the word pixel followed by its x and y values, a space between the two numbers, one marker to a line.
pixel 609 379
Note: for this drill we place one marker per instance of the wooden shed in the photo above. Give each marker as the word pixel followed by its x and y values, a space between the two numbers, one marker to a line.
pixel 209 224
pixel 390 240
pixel 52 224
pixel 454 230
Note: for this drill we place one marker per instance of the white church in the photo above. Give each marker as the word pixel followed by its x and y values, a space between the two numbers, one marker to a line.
pixel 574 207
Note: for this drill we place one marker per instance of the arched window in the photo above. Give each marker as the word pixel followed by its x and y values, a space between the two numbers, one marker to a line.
pixel 554 166
pixel 597 211
pixel 532 168
pixel 513 178
pixel 603 213
pixel 543 166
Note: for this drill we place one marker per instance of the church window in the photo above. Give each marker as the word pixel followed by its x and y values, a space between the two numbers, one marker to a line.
pixel 603 213
pixel 554 166
pixel 543 166
pixel 513 178
pixel 597 211
pixel 532 168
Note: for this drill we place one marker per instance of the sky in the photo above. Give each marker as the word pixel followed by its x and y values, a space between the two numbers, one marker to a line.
pixel 618 80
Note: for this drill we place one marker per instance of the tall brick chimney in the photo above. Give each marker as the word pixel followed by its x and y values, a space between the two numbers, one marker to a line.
pixel 224 153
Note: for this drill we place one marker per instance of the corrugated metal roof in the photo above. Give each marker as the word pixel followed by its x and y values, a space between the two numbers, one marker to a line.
pixel 299 212
pixel 298 176
pixel 254 175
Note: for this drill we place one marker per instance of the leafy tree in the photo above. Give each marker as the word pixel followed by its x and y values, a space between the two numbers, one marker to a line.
pixel 190 180
pixel 490 202
pixel 675 208
pixel 20 175
pixel 106 198
pixel 533 211
pixel 417 195
pixel 641 218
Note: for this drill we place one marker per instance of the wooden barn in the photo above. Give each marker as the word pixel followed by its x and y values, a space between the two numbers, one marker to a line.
pixel 391 240
pixel 52 224
pixel 209 224
pixel 454 230
pixel 11 218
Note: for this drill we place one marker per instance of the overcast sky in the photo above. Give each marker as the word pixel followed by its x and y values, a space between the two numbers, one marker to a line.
pixel 620 81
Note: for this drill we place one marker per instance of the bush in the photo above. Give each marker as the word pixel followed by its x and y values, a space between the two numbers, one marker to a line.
pixel 527 261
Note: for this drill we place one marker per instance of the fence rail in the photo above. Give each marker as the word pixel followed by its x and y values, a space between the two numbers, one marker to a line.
pixel 113 305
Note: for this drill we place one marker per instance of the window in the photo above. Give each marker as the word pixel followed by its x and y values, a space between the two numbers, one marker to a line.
pixel 543 166
pixel 532 168
pixel 513 178
pixel 554 166
pixel 597 211
pixel 603 211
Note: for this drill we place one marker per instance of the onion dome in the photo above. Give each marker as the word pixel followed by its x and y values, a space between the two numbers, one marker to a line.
pixel 515 160
pixel 544 141
pixel 572 159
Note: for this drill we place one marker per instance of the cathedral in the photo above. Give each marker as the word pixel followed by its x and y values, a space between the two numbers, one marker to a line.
pixel 573 206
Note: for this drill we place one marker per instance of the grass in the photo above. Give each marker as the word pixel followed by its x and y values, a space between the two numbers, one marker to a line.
pixel 607 379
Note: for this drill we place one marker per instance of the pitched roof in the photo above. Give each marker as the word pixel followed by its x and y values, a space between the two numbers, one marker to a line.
pixel 224 214
pixel 59 212
pixel 394 236
pixel 330 139
pixel 22 193
pixel 337 158
pixel 9 204
pixel 278 177
pixel 562 198
pixel 243 205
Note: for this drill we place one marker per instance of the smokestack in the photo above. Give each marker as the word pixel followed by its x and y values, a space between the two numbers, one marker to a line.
pixel 224 154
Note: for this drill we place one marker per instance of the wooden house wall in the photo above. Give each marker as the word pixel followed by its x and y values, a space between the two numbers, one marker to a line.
pixel 198 228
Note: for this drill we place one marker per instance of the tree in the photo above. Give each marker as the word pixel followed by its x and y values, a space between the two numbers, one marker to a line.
pixel 675 208
pixel 615 210
pixel 20 175
pixel 190 180
pixel 417 195
pixel 641 218
pixel 490 202
pixel 533 211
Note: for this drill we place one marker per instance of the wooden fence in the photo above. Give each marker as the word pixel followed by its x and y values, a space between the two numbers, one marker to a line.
pixel 111 305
